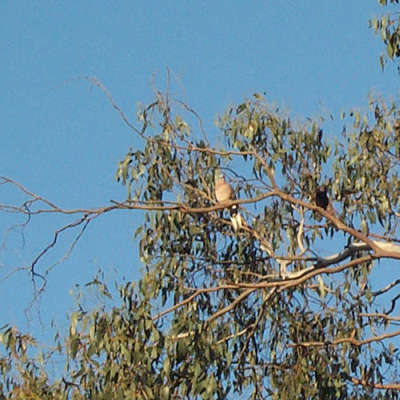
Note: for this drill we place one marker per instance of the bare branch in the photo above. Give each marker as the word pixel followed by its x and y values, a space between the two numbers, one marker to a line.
pixel 95 82
pixel 300 232
pixel 381 386
pixel 191 297
pixel 386 288
pixel 231 306
pixel 380 315
pixel 351 340
pixel 53 243
pixel 393 305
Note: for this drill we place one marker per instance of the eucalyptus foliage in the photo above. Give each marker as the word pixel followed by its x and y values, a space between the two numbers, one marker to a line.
pixel 387 27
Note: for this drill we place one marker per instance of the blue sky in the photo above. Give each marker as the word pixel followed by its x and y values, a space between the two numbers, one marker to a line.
pixel 62 140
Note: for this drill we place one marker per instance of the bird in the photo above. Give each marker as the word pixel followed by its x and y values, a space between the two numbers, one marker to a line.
pixel 223 193
pixel 322 200
pixel 321 197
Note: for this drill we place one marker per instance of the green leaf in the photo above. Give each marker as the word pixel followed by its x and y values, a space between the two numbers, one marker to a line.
pixel 74 322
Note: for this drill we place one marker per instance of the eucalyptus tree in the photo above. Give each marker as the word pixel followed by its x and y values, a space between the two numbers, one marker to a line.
pixel 282 305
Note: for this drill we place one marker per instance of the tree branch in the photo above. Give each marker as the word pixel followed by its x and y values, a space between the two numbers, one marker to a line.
pixel 230 307
pixel 381 386
pixel 351 340
pixel 380 315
